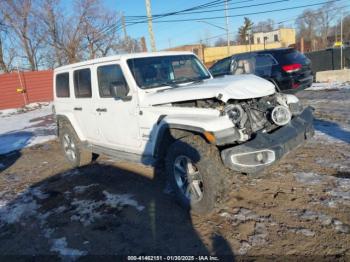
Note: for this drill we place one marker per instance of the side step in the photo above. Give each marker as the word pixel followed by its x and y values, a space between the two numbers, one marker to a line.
pixel 121 155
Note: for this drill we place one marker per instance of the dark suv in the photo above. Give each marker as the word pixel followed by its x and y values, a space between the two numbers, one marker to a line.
pixel 287 68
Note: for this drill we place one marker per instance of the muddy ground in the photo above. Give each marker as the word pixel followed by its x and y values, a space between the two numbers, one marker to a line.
pixel 300 207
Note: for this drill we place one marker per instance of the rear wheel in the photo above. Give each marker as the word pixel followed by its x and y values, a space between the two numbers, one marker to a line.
pixel 72 147
pixel 195 173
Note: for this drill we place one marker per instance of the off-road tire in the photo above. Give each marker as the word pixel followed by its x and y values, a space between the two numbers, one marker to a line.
pixel 83 156
pixel 208 162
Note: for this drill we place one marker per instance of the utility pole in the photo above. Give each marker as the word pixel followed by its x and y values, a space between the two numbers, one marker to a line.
pixel 150 26
pixel 227 30
pixel 341 41
pixel 124 27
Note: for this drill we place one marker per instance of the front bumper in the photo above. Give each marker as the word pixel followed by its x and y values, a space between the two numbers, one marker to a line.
pixel 265 149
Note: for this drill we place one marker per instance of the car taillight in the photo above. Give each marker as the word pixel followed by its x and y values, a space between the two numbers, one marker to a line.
pixel 291 68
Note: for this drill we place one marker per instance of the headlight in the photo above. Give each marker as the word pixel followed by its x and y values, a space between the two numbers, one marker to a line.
pixel 281 115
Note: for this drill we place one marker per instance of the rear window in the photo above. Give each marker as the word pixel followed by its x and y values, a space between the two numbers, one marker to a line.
pixel 293 57
pixel 82 83
pixel 62 85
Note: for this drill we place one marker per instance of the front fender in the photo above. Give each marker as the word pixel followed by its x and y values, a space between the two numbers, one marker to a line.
pixel 68 117
pixel 180 125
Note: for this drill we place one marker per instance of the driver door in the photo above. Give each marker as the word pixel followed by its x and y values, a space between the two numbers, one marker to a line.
pixel 117 120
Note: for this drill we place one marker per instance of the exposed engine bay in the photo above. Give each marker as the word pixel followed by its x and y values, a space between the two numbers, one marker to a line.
pixel 249 116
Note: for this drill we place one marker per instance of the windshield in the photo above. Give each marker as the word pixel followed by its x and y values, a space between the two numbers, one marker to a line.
pixel 150 72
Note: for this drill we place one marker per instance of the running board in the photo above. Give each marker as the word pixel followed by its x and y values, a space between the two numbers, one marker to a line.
pixel 121 155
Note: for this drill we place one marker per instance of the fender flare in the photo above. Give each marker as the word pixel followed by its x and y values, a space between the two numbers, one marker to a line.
pixel 70 120
pixel 176 131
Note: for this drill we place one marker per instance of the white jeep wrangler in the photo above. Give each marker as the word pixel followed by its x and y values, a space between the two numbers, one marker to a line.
pixel 166 106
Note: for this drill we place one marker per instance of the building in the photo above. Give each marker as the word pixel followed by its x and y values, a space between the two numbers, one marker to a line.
pixel 284 36
pixel 197 49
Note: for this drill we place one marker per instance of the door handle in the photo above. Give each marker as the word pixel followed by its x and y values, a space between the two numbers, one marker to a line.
pixel 101 109
pixel 78 108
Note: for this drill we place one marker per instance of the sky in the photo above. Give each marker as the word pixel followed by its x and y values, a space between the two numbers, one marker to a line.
pixel 180 33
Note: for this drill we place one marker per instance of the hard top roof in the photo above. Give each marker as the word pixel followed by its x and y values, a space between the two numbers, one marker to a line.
pixel 120 57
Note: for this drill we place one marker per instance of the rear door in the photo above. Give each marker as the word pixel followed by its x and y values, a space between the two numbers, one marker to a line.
pixel 83 104
pixel 117 120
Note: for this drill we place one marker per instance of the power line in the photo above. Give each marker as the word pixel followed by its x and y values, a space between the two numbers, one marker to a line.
pixel 231 8
pixel 240 15
pixel 117 26
pixel 280 22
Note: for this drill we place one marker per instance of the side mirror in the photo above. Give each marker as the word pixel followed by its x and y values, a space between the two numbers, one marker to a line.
pixel 119 90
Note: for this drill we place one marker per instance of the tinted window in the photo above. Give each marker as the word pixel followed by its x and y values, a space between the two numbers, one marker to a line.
pixel 82 83
pixel 62 85
pixel 221 67
pixel 264 60
pixel 293 56
pixel 107 75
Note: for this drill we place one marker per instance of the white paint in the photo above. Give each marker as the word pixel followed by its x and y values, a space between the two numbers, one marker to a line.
pixel 229 87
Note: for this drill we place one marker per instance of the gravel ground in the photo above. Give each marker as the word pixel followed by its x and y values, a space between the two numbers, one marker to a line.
pixel 300 207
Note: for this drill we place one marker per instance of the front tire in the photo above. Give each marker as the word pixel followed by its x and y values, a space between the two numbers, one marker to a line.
pixel 72 148
pixel 195 172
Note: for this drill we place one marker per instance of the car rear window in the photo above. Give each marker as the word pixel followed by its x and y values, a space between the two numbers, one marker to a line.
pixel 292 57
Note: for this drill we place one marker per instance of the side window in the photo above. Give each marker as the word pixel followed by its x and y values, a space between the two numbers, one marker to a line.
pixel 265 60
pixel 62 85
pixel 82 83
pixel 221 67
pixel 106 75
pixel 245 65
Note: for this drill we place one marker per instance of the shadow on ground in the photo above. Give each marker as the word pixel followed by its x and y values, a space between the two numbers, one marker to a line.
pixel 100 210
pixel 332 129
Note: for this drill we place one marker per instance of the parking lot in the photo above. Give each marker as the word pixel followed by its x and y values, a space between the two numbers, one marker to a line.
pixel 299 207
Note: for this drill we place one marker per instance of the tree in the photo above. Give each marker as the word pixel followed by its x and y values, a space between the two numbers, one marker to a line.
pixel 307 25
pixel 220 42
pixel 264 26
pixel 21 19
pixel 324 18
pixel 244 30
pixel 6 58
pixel 89 32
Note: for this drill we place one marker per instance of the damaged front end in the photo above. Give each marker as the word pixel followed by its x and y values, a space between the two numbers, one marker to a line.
pixel 264 114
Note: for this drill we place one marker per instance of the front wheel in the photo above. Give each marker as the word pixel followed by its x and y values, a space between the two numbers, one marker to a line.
pixel 195 173
pixel 72 147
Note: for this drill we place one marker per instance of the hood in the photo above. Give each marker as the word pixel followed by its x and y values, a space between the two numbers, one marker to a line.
pixel 225 88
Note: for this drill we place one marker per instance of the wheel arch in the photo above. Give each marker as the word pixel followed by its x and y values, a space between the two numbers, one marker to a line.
pixel 169 132
pixel 69 119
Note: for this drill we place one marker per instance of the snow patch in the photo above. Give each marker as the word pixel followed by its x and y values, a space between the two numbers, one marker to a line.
pixel 60 246
pixel 328 86
pixel 82 189
pixel 88 211
pixel 337 190
pixel 33 126
pixel 114 200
